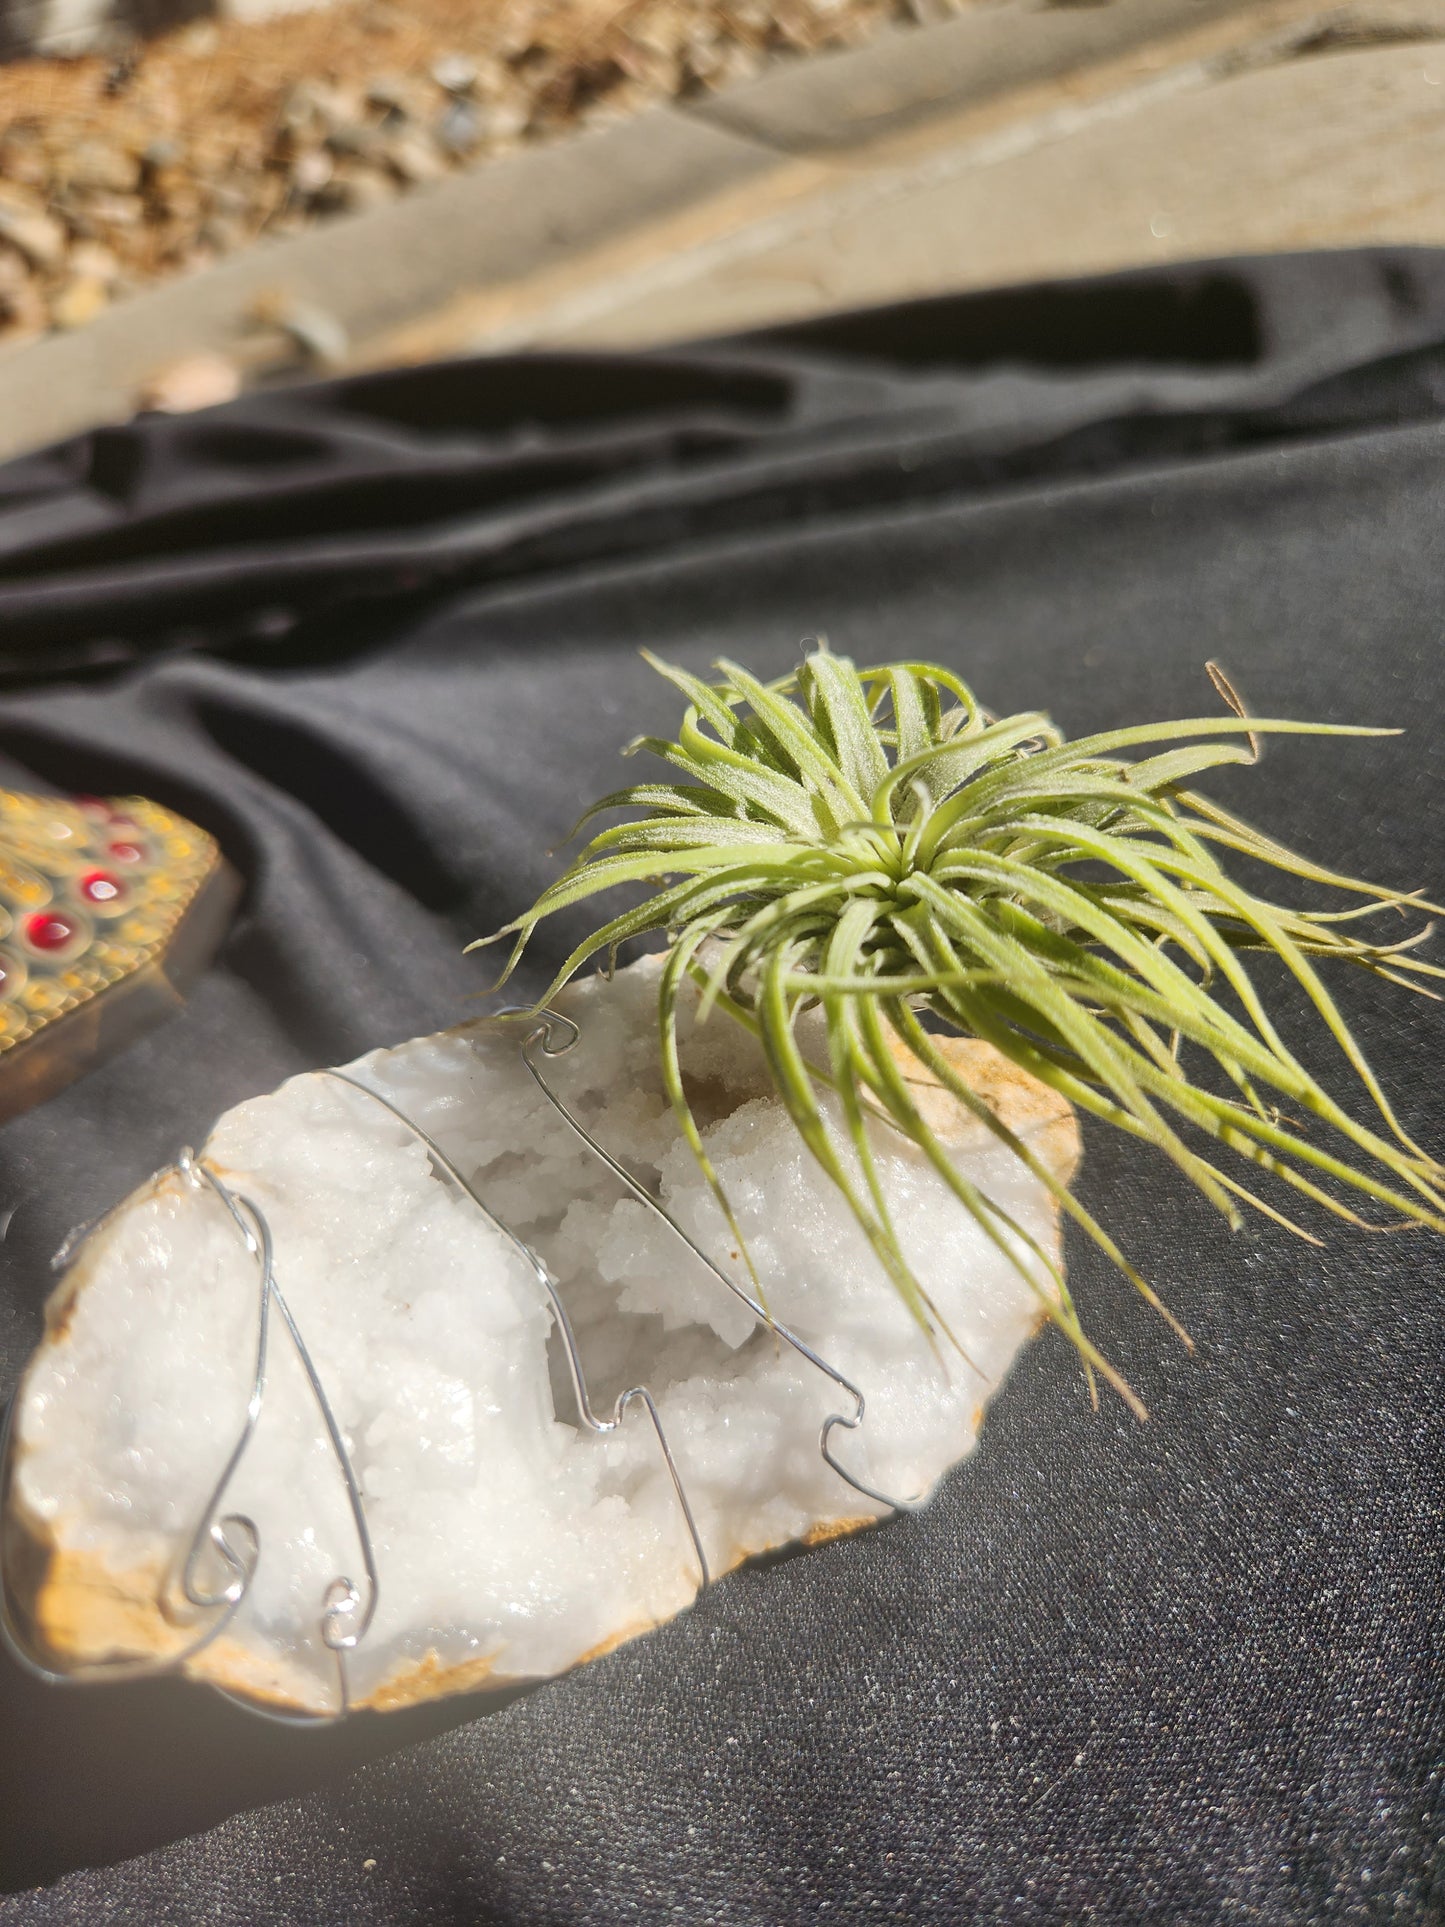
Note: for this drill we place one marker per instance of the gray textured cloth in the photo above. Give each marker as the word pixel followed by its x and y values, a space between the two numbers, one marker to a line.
pixel 381 638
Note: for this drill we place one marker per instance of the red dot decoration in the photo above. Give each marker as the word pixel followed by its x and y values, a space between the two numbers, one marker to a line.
pixel 124 852
pixel 99 886
pixel 105 813
pixel 49 930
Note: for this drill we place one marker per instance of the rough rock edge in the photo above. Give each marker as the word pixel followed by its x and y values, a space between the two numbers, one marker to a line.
pixel 83 1612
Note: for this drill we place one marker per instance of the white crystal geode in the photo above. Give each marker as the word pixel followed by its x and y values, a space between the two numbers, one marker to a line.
pixel 509 1543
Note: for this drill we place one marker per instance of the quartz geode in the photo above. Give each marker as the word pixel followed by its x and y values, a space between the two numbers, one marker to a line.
pixel 509 1543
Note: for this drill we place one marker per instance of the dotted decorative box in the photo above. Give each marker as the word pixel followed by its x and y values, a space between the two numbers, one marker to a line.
pixel 109 907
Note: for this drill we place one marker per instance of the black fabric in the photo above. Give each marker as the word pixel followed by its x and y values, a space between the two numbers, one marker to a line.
pixel 381 636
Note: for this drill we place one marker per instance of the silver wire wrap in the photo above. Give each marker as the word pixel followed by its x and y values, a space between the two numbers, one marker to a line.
pixel 232 1539
pixel 346 1615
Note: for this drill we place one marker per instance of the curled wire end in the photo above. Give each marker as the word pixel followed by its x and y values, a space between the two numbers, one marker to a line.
pixel 241 1565
pixel 555 1032
pixel 851 1423
pixel 342 1620
pixel 18 1645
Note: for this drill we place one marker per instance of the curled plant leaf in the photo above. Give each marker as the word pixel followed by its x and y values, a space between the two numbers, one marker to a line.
pixel 872 844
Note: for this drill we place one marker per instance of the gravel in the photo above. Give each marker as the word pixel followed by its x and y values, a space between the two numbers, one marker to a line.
pixel 161 158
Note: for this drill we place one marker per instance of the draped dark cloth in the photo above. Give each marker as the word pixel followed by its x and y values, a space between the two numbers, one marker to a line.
pixel 381 637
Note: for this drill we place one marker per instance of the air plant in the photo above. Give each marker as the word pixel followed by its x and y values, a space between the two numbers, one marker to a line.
pixel 875 845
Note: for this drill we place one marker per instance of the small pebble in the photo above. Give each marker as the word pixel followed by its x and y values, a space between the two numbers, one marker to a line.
pixel 23 162
pixel 393 94
pixel 161 153
pixel 94 261
pixel 455 74
pixel 224 232
pixel 311 171
pixel 506 120
pixel 34 234
pixel 22 307
pixel 414 159
pixel 230 197
pixel 79 301
pixel 317 104
pixel 458 131
pixel 352 189
pixel 101 164
pixel 319 335
pixel 196 381
pixel 357 139
pixel 113 210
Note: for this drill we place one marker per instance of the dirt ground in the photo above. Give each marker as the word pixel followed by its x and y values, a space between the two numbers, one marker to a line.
pixel 160 158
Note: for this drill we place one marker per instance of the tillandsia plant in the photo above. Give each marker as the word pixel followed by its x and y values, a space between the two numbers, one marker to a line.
pixel 875 845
